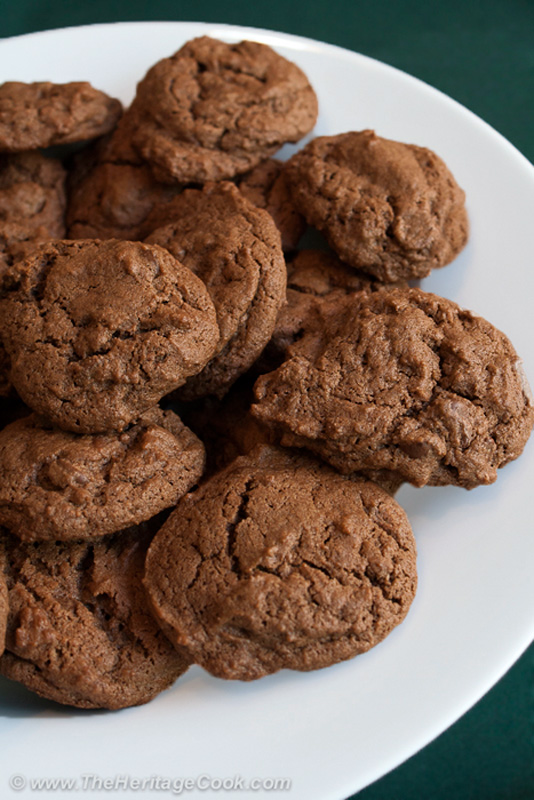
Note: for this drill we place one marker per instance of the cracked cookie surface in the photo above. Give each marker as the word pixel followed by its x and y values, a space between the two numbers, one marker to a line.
pixel 402 380
pixel 56 485
pixel 391 209
pixel 97 332
pixel 234 248
pixel 79 630
pixel 279 562
pixel 215 110
pixel 43 114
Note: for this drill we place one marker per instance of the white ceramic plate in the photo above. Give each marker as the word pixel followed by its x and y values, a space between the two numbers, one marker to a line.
pixel 334 731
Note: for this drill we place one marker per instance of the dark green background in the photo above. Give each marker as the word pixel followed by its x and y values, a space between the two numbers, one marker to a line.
pixel 482 54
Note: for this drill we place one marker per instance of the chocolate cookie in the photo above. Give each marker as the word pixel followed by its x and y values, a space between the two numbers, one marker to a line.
pixel 118 147
pixel 403 380
pixel 34 115
pixel 79 629
pixel 112 190
pixel 320 273
pixel 32 199
pixel 113 201
pixel 57 485
pixel 393 210
pixel 316 279
pixel 228 429
pixel 235 249
pixel 267 187
pixel 215 110
pixel 97 332
pixel 279 562
pixel 32 209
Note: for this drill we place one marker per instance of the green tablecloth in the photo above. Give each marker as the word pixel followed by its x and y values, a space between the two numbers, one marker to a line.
pixel 482 54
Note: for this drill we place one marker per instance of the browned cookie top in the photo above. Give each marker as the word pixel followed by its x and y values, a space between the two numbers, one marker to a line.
pixel 98 332
pixel 234 247
pixel 58 485
pixel 391 209
pixel 42 114
pixel 403 380
pixel 279 562
pixel 267 187
pixel 79 629
pixel 214 110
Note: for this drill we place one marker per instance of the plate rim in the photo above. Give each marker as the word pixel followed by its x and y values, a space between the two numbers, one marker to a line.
pixel 289 38
pixel 308 43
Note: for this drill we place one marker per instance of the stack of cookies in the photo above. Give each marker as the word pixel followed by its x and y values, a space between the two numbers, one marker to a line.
pixel 204 424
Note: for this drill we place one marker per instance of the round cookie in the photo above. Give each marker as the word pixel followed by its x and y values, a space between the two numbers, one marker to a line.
pixel 406 381
pixel 43 114
pixel 267 187
pixel 97 332
pixel 60 486
pixel 215 110
pixel 79 629
pixel 279 562
pixel 390 209
pixel 234 247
